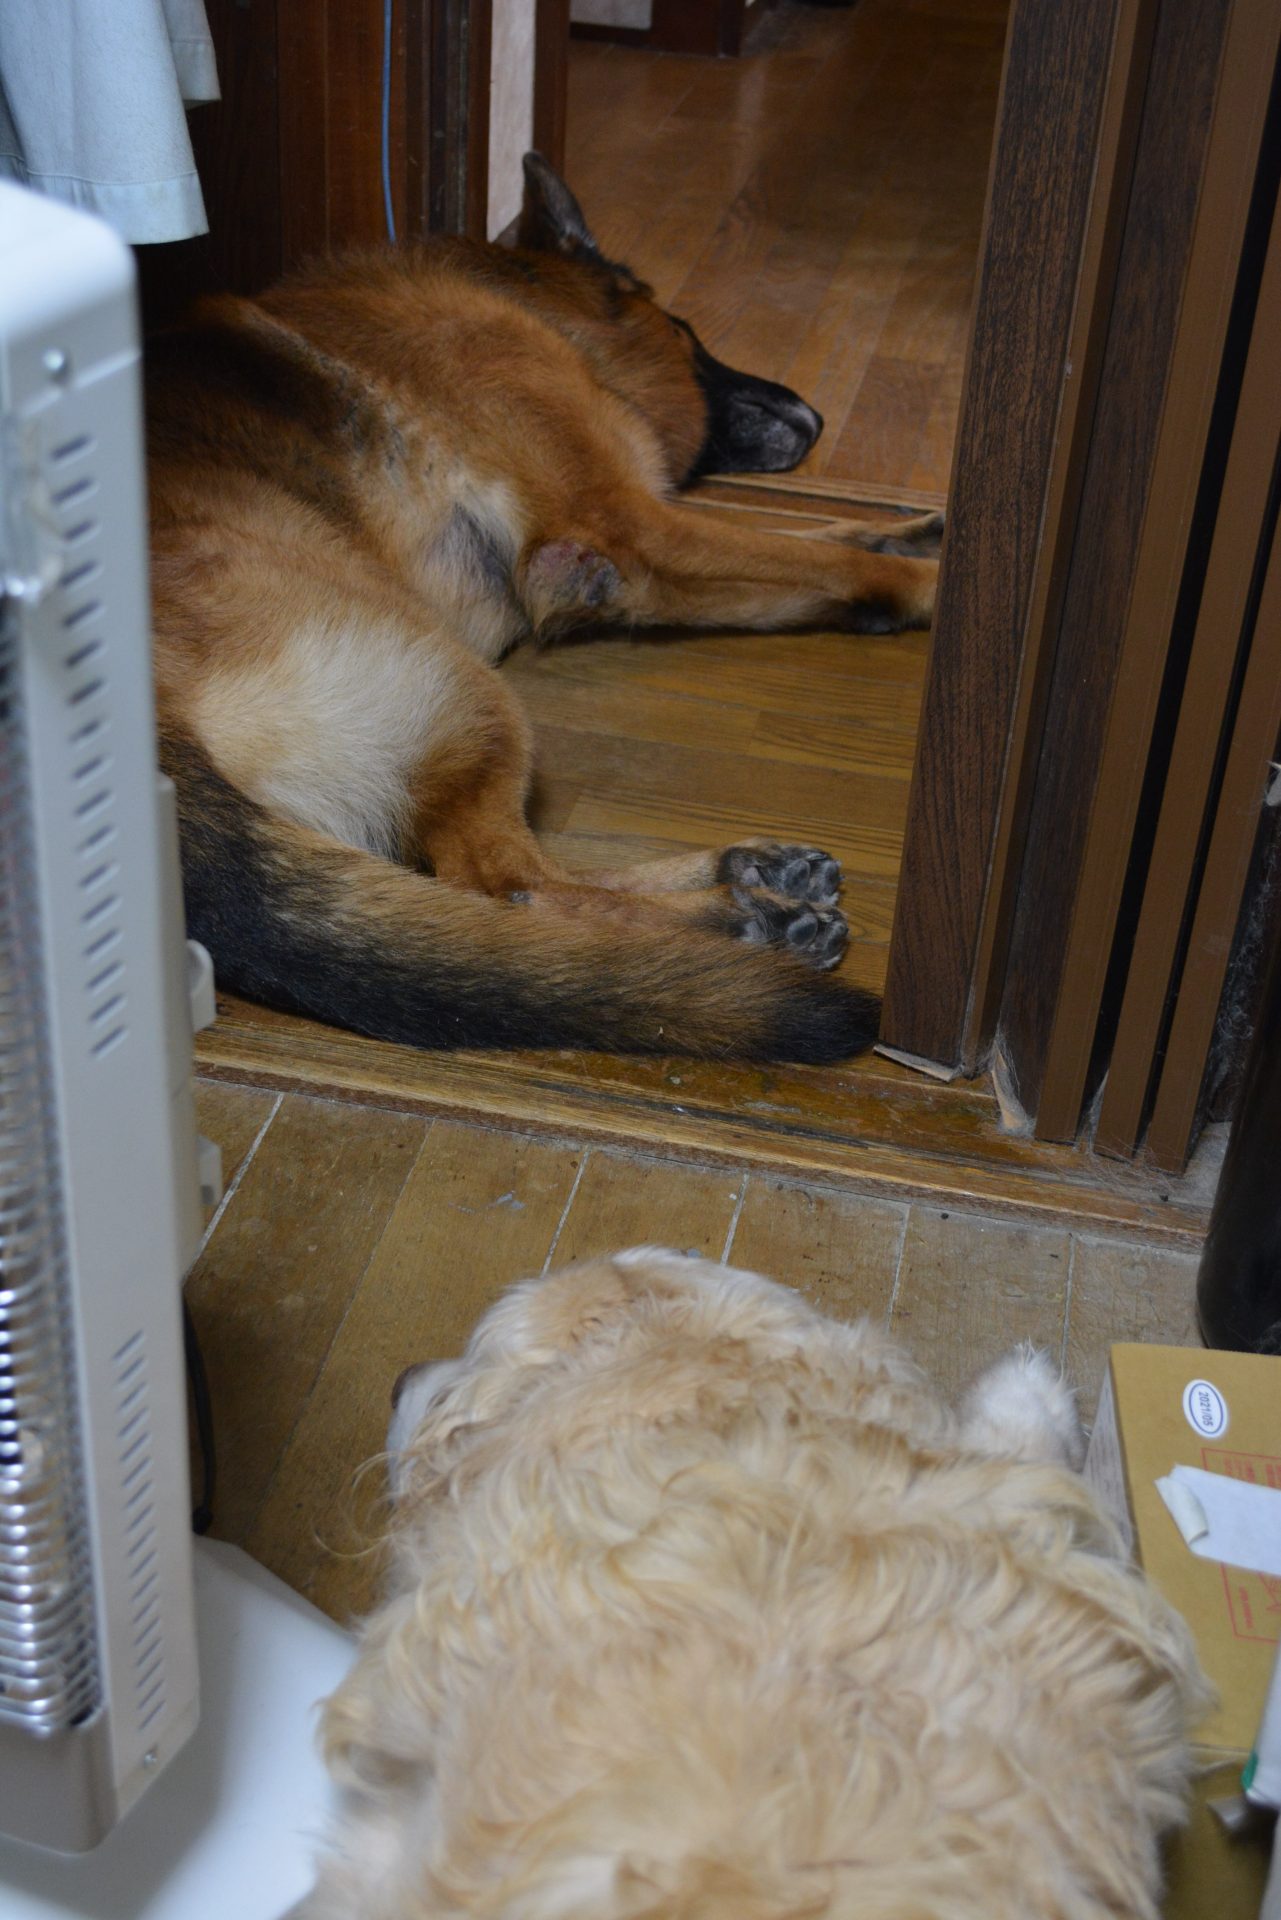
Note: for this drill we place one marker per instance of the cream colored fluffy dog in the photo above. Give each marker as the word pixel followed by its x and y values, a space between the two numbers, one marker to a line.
pixel 707 1607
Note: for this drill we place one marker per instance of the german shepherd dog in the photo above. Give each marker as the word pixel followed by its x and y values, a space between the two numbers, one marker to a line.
pixel 366 485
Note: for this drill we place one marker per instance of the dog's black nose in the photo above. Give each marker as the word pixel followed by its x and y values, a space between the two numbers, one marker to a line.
pixel 753 425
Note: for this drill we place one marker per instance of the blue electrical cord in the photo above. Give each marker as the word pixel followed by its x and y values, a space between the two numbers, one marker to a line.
pixel 391 218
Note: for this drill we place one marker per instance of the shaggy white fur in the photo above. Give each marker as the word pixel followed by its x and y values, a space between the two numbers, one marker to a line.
pixel 706 1607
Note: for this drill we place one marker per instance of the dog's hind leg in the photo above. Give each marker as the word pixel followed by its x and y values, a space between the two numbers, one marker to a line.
pixel 469 792
pixel 795 872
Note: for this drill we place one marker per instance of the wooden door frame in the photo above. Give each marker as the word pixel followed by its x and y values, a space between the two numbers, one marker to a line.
pixel 551 79
pixel 1113 304
pixel 290 156
pixel 1235 602
pixel 447 121
pixel 1050 230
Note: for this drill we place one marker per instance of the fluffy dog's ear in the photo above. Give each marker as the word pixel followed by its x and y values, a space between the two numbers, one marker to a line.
pixel 551 220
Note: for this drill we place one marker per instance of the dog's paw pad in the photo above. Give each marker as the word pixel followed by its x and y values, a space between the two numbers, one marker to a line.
pixel 800 873
pixel 817 934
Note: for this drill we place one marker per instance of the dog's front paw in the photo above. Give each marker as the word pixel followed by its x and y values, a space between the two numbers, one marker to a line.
pixel 798 873
pixel 817 934
pixel 919 537
pixel 889 593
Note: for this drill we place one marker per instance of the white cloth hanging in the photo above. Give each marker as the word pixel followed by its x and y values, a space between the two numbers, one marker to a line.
pixel 91 107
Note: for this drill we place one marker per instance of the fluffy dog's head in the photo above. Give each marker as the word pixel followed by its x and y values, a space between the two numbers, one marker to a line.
pixel 705 1607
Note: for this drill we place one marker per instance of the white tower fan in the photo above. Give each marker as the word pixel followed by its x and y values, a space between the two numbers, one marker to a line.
pixel 100 1192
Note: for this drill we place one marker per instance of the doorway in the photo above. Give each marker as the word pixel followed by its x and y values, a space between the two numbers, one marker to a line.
pixel 813 208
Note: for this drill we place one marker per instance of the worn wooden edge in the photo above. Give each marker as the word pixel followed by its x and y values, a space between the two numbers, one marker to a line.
pixel 517 1095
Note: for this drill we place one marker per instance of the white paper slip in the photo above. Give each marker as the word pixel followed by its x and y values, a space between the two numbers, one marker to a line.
pixel 1235 1521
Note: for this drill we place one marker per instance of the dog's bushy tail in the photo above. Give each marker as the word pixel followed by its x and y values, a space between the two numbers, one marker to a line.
pixel 306 924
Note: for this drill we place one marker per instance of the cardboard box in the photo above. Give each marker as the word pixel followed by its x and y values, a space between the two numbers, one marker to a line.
pixel 1163 1407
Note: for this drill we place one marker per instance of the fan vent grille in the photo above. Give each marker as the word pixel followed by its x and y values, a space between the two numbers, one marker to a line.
pixel 48 1658
pixel 78 612
pixel 136 1466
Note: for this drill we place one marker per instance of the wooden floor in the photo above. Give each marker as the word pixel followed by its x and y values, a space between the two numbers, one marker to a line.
pixel 355 1240
pixel 648 746
pixel 813 209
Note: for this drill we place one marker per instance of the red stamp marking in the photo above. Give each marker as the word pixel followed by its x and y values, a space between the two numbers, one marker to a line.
pixel 1253 1599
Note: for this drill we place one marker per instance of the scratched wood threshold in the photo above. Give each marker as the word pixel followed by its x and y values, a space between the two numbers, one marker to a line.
pixel 872 1126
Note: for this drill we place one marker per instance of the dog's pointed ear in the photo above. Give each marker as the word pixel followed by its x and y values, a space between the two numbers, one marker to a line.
pixel 551 220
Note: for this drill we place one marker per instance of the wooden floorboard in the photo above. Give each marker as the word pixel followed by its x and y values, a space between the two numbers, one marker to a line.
pixel 813 208
pixel 270 1289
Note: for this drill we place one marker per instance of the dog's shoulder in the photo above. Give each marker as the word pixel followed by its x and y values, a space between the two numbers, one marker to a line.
pixel 233 361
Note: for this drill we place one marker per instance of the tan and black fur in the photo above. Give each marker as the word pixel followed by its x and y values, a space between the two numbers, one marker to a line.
pixel 366 485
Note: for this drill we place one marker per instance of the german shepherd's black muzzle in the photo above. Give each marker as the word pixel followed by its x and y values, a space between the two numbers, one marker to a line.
pixel 753 426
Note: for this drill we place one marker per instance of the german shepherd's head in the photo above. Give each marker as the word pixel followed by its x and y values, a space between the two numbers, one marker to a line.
pixel 711 418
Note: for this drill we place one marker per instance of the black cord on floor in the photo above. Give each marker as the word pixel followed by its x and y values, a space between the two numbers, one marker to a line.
pixel 202 1512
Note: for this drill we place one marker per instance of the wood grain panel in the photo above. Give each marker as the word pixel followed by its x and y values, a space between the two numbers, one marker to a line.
pixel 477 1212
pixel 969 1290
pixel 1152 264
pixel 479 61
pixel 882 430
pixel 1222 629
pixel 1119 121
pixel 271 1288
pixel 1151 644
pixel 712 799
pixel 353 157
pixel 301 175
pixel 551 79
pixel 802 675
pixel 1056 65
pixel 795 204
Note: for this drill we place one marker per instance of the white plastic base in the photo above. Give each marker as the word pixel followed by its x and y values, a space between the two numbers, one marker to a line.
pixel 230 1826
